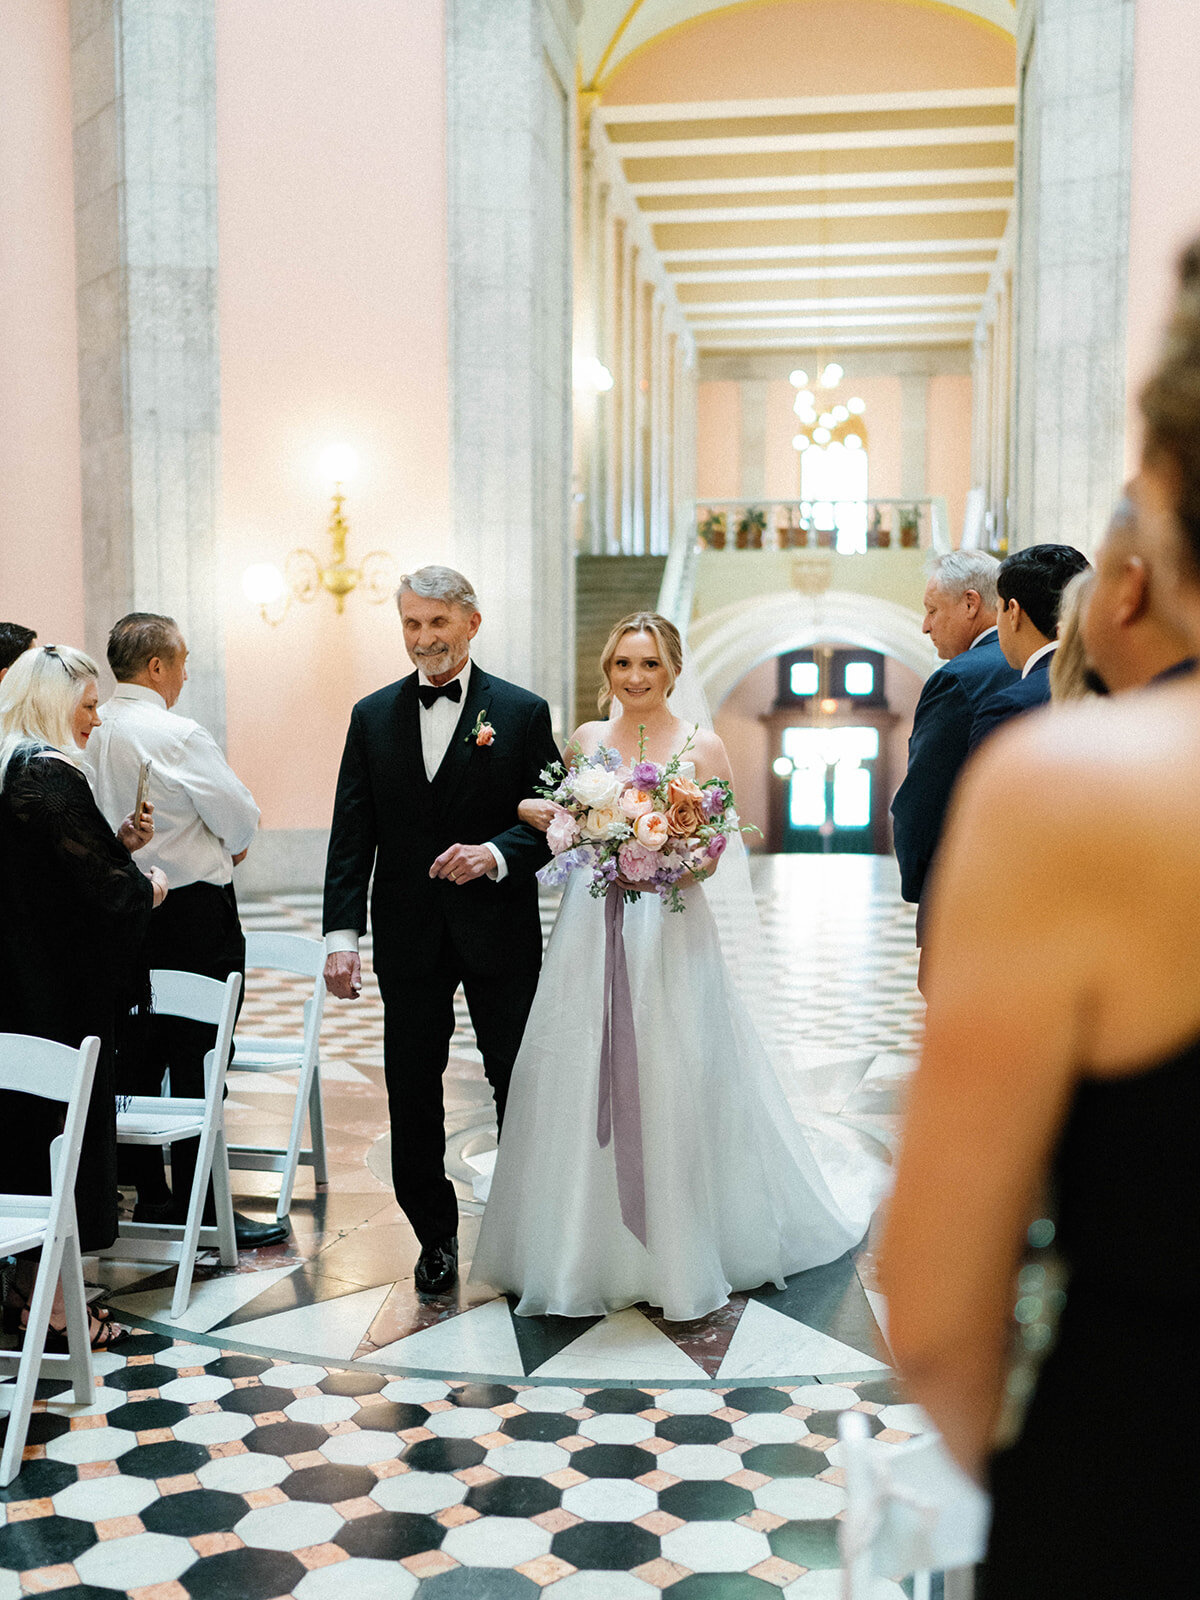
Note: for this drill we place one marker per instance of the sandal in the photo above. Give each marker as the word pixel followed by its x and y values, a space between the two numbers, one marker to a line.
pixel 103 1329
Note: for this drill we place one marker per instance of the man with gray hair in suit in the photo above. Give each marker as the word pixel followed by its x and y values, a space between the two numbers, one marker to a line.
pixel 960 618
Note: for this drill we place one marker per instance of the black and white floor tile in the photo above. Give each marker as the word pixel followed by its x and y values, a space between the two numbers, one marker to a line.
pixel 310 1409
pixel 202 1474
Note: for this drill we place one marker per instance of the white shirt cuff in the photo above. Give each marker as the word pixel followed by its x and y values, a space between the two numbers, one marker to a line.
pixel 501 872
pixel 340 941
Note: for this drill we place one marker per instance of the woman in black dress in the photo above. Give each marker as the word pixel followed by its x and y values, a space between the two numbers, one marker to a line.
pixel 73 912
pixel 1061 1068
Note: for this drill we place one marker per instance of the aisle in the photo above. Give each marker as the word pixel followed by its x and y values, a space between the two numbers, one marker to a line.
pixel 840 976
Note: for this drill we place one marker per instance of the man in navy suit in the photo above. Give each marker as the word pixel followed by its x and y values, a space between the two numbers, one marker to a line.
pixel 960 618
pixel 434 769
pixel 1030 587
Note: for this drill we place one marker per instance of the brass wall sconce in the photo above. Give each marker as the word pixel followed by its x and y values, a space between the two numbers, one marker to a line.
pixel 304 576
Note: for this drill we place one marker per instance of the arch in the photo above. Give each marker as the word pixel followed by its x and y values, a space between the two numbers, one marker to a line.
pixel 613 30
pixel 728 643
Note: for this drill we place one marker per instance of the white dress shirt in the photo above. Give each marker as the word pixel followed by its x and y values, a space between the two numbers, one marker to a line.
pixel 203 814
pixel 981 638
pixel 437 723
pixel 1047 649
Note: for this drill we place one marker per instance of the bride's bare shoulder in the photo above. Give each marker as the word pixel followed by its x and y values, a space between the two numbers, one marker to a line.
pixel 708 753
pixel 586 739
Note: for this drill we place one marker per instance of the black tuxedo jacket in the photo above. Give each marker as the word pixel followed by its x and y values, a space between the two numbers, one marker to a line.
pixel 941 735
pixel 389 817
pixel 1025 695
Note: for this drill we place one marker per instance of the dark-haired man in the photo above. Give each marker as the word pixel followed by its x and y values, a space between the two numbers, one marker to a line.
pixel 1030 587
pixel 15 639
pixel 204 820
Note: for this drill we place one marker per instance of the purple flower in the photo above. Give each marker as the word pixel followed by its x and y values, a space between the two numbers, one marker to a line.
pixel 611 758
pixel 714 802
pixel 716 846
pixel 646 775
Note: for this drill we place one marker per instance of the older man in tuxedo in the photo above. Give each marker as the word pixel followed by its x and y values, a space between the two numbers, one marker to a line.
pixel 960 618
pixel 434 768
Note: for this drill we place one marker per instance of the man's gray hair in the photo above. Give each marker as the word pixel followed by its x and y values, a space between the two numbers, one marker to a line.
pixel 439 583
pixel 960 570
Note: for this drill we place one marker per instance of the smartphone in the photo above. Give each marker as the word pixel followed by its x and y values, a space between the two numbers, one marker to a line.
pixel 142 788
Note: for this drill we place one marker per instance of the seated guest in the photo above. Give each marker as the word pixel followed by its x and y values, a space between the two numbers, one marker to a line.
pixel 74 910
pixel 1030 585
pixel 1070 676
pixel 1062 1056
pixel 960 618
pixel 15 639
pixel 1129 640
pixel 206 818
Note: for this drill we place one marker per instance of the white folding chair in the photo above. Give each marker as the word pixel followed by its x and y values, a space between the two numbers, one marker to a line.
pixel 162 1120
pixel 29 1221
pixel 305 957
pixel 910 1511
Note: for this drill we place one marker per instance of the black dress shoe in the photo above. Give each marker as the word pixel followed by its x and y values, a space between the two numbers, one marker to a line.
pixel 249 1235
pixel 437 1267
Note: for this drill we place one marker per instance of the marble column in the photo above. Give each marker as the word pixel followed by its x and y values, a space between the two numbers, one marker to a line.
pixel 143 87
pixel 510 116
pixel 1072 260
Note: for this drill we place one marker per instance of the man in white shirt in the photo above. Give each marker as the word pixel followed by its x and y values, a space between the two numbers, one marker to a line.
pixel 204 818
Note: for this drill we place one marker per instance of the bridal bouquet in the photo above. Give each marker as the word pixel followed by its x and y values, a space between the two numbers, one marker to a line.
pixel 647 831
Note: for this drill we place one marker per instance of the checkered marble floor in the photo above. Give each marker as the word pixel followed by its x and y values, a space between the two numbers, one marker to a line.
pixel 204 1473
pixel 840 969
pixel 312 1426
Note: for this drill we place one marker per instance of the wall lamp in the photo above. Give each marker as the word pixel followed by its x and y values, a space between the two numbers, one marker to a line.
pixel 304 577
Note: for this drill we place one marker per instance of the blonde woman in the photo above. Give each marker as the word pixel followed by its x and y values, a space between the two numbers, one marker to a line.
pixel 734 1196
pixel 73 911
pixel 1069 675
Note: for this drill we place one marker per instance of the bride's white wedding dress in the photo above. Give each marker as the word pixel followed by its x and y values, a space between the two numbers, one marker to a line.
pixel 735 1196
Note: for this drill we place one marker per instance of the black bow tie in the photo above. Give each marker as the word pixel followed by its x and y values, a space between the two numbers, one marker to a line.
pixel 430 693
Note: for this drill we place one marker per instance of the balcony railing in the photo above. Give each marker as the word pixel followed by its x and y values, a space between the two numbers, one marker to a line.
pixel 847 526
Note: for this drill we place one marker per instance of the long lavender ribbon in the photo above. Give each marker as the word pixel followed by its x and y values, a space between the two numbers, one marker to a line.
pixel 619 1115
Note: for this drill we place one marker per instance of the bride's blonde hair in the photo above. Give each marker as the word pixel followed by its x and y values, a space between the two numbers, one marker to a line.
pixel 666 637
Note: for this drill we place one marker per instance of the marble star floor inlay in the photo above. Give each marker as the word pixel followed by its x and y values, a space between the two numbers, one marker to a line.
pixel 838 1002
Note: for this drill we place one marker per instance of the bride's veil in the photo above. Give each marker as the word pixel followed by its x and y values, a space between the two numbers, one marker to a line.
pixel 730 890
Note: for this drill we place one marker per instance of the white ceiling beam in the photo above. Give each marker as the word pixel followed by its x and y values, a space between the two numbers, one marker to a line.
pixel 866 302
pixel 810 105
pixel 929 177
pixel 786 144
pixel 827 252
pixel 825 210
pixel 842 342
pixel 882 319
pixel 848 269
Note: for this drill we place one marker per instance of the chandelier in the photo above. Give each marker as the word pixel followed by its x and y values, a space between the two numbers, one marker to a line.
pixel 836 422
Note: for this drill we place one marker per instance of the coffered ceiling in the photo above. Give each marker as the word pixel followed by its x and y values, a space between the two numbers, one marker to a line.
pixel 844 218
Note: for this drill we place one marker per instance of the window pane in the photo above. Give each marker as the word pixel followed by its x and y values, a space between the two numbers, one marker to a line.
pixel 860 677
pixel 806 677
pixel 851 796
pixel 807 798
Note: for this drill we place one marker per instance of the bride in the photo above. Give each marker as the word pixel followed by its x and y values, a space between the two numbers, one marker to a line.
pixel 734 1196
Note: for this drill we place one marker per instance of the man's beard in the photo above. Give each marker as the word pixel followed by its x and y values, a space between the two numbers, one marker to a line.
pixel 436 661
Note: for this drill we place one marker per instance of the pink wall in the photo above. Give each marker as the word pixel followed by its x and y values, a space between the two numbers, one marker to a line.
pixel 764 51
pixel 333 327
pixel 1164 210
pixel 718 440
pixel 948 444
pixel 41 540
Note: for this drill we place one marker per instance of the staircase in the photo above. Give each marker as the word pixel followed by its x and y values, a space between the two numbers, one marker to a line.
pixel 607 588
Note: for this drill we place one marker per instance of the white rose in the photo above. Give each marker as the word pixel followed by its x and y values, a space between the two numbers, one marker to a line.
pixel 594 787
pixel 602 822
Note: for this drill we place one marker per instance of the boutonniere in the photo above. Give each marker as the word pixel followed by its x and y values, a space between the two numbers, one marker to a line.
pixel 482 733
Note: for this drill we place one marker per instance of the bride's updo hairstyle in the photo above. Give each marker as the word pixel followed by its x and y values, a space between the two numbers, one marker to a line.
pixel 666 638
pixel 1171 402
